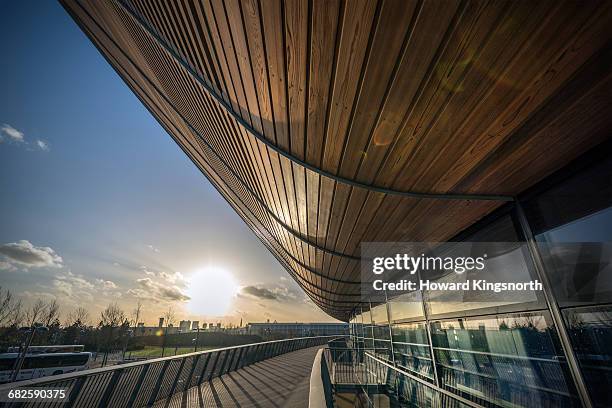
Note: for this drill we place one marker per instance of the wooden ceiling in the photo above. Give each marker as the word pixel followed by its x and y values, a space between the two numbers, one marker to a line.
pixel 329 123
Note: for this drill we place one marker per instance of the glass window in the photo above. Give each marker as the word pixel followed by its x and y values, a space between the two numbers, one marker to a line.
pixel 366 329
pixel 407 306
pixel 591 332
pixel 75 360
pixel 505 359
pixel 380 330
pixel 411 349
pixel 572 223
pixel 510 261
pixel 7 363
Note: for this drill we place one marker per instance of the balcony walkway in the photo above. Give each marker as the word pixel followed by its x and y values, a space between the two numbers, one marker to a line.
pixel 281 381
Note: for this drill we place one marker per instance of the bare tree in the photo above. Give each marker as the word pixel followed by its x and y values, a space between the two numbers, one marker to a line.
pixel 136 313
pixel 51 313
pixel 169 316
pixel 35 312
pixel 10 308
pixel 79 316
pixel 112 316
pixel 18 315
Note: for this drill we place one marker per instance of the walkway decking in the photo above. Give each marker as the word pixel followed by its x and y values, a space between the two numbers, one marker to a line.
pixel 281 381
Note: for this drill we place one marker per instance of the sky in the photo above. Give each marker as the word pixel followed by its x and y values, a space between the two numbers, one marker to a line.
pixel 99 205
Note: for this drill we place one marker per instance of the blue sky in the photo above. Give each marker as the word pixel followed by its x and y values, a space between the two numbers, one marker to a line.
pixel 98 204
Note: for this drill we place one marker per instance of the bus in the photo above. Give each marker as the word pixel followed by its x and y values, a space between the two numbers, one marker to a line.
pixel 41 364
pixel 62 348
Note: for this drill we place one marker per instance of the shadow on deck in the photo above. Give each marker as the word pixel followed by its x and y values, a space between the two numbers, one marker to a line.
pixel 281 381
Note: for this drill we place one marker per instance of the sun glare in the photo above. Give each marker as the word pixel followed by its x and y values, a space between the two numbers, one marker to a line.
pixel 211 291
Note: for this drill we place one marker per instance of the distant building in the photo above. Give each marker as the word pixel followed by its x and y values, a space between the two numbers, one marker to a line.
pixel 185 325
pixel 195 325
pixel 161 322
pixel 285 330
pixel 143 330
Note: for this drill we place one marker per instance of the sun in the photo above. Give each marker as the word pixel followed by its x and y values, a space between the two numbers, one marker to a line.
pixel 211 291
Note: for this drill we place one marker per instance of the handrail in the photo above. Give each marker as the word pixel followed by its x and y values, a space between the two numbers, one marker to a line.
pixel 425 383
pixel 320 393
pixel 500 355
pixel 144 382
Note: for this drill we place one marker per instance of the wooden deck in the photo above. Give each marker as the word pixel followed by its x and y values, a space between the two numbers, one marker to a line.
pixel 281 381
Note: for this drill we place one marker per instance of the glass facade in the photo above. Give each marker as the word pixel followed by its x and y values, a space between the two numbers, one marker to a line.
pixel 572 224
pixel 514 353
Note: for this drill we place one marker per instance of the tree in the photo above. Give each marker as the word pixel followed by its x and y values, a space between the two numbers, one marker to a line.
pixel 169 316
pixel 78 317
pixel 112 316
pixel 111 319
pixel 50 313
pixel 75 329
pixel 136 313
pixel 10 309
pixel 35 312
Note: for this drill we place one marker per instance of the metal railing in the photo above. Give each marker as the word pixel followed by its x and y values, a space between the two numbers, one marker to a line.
pixel 348 365
pixel 369 371
pixel 321 390
pixel 143 383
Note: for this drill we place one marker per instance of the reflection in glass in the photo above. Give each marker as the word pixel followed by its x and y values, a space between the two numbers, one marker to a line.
pixel 572 222
pixel 508 261
pixel 380 328
pixel 513 359
pixel 582 272
pixel 406 307
pixel 368 340
pixel 411 349
pixel 591 332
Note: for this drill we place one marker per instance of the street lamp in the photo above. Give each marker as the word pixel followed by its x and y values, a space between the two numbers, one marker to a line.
pixel 36 327
pixel 129 334
pixel 196 340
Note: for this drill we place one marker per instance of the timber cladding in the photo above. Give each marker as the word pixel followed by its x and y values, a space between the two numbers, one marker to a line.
pixel 329 123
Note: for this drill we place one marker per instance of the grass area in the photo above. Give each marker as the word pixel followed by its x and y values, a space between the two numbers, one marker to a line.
pixel 155 351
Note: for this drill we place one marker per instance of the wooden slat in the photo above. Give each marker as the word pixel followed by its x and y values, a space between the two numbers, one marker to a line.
pixel 436 96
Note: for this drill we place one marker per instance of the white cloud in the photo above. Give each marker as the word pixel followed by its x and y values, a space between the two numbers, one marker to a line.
pixel 175 278
pixel 152 248
pixel 278 292
pixel 23 253
pixel 26 294
pixel 70 283
pixel 150 289
pixel 17 136
pixel 78 287
pixel 12 133
pixel 106 284
pixel 7 266
pixel 63 287
pixel 258 292
pixel 42 145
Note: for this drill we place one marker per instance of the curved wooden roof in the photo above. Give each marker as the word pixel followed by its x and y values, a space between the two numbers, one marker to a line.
pixel 329 123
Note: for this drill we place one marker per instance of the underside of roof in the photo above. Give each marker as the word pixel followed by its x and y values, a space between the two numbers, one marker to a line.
pixel 325 124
